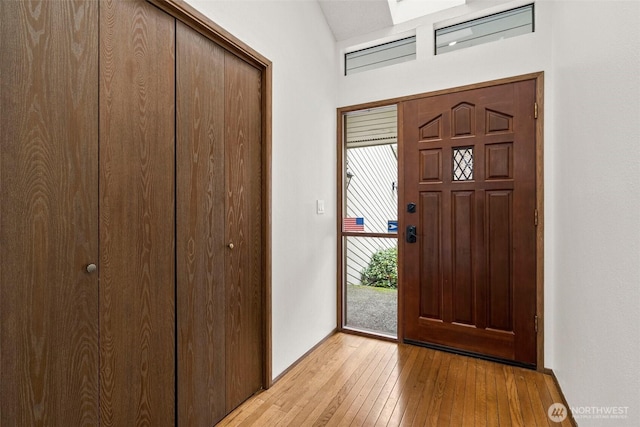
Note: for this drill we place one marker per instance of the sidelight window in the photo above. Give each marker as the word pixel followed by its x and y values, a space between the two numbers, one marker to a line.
pixel 369 212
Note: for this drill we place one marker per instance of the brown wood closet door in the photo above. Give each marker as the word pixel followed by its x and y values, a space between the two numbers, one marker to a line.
pixel 470 277
pixel 219 230
pixel 48 213
pixel 201 244
pixel 137 218
pixel 243 263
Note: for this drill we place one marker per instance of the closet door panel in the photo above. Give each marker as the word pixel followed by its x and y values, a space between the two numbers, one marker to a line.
pixel 137 214
pixel 48 213
pixel 243 272
pixel 200 229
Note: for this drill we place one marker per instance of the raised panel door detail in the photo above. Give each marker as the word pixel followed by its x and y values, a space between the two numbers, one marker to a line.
pixel 48 213
pixel 463 286
pixel 499 206
pixel 497 122
pixel 430 260
pixel 432 130
pixel 463 120
pixel 499 161
pixel 431 165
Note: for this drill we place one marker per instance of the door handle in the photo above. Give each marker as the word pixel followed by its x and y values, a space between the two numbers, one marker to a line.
pixel 412 236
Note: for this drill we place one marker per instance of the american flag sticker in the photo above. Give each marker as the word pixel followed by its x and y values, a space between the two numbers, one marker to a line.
pixel 354 224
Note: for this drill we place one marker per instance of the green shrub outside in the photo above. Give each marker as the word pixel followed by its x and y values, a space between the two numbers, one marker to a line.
pixel 382 271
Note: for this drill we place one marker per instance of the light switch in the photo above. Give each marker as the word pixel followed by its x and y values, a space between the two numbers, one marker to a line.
pixel 319 207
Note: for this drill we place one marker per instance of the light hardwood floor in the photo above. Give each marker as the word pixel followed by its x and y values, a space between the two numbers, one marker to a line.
pixel 350 380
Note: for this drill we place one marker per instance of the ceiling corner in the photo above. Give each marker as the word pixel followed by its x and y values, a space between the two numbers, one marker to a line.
pixel 350 18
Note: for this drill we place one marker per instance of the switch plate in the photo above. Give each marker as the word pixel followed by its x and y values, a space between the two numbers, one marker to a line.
pixel 320 207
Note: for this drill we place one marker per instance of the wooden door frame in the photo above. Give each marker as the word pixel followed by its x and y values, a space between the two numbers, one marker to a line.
pixel 188 15
pixel 538 77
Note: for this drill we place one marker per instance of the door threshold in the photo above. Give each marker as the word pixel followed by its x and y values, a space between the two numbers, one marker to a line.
pixel 369 334
pixel 472 354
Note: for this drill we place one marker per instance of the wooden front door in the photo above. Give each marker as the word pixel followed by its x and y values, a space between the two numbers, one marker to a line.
pixel 470 262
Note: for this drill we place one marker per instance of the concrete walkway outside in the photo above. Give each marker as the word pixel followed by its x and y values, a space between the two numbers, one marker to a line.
pixel 372 309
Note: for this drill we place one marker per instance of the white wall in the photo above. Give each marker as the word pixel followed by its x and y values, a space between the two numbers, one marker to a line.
pixel 296 38
pixel 596 206
pixel 589 52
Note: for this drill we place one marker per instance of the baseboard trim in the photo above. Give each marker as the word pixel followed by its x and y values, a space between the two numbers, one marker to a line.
pixel 301 358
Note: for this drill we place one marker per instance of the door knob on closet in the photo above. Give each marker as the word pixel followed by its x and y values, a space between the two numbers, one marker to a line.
pixel 91 268
pixel 230 245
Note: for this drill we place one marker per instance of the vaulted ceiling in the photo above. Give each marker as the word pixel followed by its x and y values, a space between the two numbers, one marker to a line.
pixel 350 18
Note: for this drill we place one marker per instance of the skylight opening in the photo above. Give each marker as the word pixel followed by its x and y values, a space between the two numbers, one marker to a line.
pixel 406 10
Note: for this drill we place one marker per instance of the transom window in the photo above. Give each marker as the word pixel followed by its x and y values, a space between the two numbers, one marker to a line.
pixel 490 28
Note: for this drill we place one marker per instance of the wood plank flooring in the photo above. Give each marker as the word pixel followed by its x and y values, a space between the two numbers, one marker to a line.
pixel 351 380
